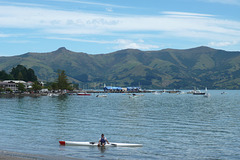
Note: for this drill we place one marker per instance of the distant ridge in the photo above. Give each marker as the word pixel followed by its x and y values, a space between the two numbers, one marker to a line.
pixel 168 68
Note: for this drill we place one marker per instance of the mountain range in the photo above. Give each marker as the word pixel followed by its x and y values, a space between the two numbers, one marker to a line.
pixel 164 69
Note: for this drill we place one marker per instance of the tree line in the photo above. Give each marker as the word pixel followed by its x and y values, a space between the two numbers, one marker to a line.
pixel 19 73
pixel 22 73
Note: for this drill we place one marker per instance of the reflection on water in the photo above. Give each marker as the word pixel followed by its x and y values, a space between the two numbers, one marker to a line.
pixel 102 149
pixel 169 126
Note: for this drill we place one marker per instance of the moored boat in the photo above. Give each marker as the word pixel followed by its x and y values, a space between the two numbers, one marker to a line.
pixel 53 94
pixel 206 95
pixel 101 95
pixel 84 94
pixel 198 92
pixel 135 95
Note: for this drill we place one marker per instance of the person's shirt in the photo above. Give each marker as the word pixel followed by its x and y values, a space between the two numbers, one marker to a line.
pixel 103 138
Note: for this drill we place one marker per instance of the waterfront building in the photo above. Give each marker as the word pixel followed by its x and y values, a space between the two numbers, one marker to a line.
pixel 120 89
pixel 10 85
pixel 13 84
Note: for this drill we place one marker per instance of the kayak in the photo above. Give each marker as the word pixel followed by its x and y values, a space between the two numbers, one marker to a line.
pixel 72 143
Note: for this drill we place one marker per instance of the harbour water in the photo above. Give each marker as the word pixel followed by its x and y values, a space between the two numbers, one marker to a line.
pixel 169 126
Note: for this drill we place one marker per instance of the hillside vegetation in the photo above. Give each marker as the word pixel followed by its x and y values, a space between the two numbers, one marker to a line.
pixel 169 68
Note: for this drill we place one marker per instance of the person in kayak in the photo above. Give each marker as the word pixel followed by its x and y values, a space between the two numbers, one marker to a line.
pixel 102 141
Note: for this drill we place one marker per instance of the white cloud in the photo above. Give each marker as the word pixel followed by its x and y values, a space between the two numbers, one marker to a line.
pixel 4 35
pixel 222 44
pixel 119 43
pixel 22 4
pixel 54 20
pixel 125 44
pixel 19 41
pixel 109 9
pixel 92 3
pixel 170 24
pixel 186 14
pixel 231 2
pixel 81 40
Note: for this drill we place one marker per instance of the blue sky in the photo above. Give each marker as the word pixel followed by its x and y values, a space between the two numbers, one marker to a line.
pixel 104 26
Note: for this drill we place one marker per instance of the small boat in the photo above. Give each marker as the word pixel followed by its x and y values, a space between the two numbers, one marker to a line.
pixel 101 96
pixel 53 94
pixel 206 95
pixel 156 93
pixel 84 94
pixel 72 143
pixel 136 95
pixel 198 92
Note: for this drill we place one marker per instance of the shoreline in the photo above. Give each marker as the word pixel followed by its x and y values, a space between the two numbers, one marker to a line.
pixel 10 155
pixel 10 95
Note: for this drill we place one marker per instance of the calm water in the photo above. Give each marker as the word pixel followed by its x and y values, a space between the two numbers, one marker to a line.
pixel 169 126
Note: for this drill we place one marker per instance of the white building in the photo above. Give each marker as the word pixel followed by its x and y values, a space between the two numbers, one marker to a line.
pixel 10 85
pixel 13 84
pixel 15 81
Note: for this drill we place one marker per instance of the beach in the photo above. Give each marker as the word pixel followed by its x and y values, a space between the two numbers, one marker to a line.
pixel 8 155
pixel 15 156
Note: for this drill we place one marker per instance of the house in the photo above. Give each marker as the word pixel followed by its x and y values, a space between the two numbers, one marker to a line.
pixel 13 84
pixel 10 85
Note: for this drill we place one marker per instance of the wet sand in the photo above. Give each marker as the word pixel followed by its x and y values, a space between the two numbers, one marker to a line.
pixel 20 156
pixel 15 156
pixel 7 155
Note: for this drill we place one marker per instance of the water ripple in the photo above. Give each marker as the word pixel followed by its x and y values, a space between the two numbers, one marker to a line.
pixel 169 126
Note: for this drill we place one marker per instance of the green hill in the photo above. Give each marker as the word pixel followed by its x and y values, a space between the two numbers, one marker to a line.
pixel 169 68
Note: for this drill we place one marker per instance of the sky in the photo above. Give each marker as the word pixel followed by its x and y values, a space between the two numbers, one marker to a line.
pixel 105 26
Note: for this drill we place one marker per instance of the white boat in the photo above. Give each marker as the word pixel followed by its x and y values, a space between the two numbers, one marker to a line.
pixel 206 95
pixel 136 95
pixel 101 95
pixel 156 93
pixel 72 143
pixel 53 94
pixel 198 92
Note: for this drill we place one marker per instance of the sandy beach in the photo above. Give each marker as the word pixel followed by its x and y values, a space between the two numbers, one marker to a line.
pixel 15 156
pixel 7 155
pixel 20 156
